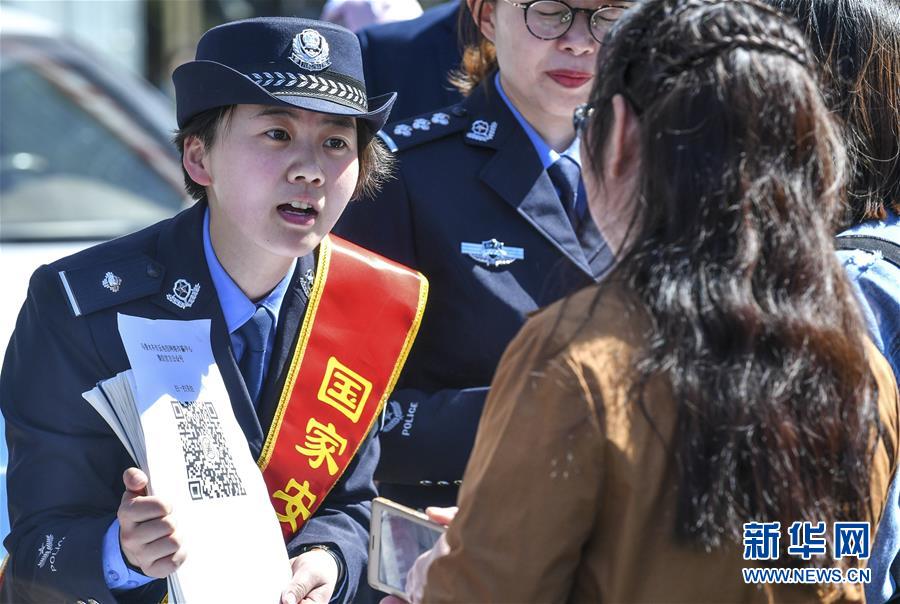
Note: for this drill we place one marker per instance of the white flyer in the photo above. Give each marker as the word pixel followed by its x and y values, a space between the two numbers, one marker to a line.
pixel 199 461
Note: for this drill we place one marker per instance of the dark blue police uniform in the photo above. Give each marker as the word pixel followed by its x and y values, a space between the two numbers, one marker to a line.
pixel 66 464
pixel 413 58
pixel 474 210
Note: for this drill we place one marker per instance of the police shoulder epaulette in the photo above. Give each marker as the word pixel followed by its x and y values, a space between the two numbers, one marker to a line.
pixel 423 128
pixel 106 284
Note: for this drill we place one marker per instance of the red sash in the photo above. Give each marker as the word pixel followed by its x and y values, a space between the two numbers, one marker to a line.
pixel 363 314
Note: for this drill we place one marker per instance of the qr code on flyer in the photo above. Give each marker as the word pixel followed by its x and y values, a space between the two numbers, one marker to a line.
pixel 207 460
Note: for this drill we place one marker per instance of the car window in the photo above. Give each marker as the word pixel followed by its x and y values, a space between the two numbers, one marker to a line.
pixel 73 162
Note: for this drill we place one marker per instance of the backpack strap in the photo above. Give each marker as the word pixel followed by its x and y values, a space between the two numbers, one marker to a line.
pixel 888 249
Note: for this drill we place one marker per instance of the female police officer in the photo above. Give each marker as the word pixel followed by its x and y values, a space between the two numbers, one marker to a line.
pixel 488 204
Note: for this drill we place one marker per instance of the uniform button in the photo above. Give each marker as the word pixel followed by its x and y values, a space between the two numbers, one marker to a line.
pixel 152 271
pixel 131 583
pixel 443 483
pixel 113 576
pixel 425 483
pixel 458 111
pixel 92 601
pixel 457 482
pixel 80 602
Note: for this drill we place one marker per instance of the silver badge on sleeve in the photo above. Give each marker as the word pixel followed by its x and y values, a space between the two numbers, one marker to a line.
pixel 391 416
pixel 492 252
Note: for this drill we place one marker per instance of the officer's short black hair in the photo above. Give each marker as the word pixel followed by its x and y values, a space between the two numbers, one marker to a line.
pixel 205 126
pixel 376 163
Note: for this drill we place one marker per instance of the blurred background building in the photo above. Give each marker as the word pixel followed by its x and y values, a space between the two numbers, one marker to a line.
pixel 152 37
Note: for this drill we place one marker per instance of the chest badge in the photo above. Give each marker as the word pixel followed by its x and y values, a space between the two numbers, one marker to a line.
pixel 492 252
pixel 482 131
pixel 112 282
pixel 183 294
pixel 310 50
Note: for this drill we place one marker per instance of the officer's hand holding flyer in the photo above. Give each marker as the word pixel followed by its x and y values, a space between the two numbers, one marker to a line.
pixel 197 460
pixel 242 354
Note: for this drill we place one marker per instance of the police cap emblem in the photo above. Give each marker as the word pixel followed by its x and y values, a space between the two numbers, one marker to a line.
pixel 310 50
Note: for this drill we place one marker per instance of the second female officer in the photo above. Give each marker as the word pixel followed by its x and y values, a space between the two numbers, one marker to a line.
pixel 488 203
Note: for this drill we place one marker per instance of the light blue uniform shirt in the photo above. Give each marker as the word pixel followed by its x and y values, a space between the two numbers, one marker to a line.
pixel 877 284
pixel 236 306
pixel 547 155
pixel 237 309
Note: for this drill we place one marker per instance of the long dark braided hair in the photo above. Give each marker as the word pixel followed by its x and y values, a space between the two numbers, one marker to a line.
pixel 753 322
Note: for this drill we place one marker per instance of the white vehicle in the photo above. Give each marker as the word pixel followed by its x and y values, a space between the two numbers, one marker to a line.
pixel 85 156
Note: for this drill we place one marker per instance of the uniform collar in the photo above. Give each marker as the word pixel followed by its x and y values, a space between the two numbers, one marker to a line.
pixel 545 152
pixel 187 291
pixel 485 112
pixel 528 193
pixel 236 306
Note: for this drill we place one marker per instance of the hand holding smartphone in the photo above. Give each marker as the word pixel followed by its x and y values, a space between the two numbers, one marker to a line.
pixel 398 535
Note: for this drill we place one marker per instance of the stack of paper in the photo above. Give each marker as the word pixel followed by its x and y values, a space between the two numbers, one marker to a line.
pixel 173 415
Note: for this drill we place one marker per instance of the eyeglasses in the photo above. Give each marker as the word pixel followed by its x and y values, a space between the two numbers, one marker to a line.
pixel 551 19
pixel 581 117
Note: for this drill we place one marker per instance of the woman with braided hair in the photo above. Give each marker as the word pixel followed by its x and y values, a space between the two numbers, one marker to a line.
pixel 720 376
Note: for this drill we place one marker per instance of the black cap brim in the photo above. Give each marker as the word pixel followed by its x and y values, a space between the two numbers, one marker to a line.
pixel 202 85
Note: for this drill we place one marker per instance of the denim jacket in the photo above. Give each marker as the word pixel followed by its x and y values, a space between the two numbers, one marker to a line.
pixel 877 284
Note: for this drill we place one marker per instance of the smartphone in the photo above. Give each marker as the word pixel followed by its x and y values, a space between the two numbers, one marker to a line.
pixel 398 535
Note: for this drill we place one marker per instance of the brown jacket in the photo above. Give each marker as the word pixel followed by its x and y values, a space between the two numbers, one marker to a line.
pixel 569 494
